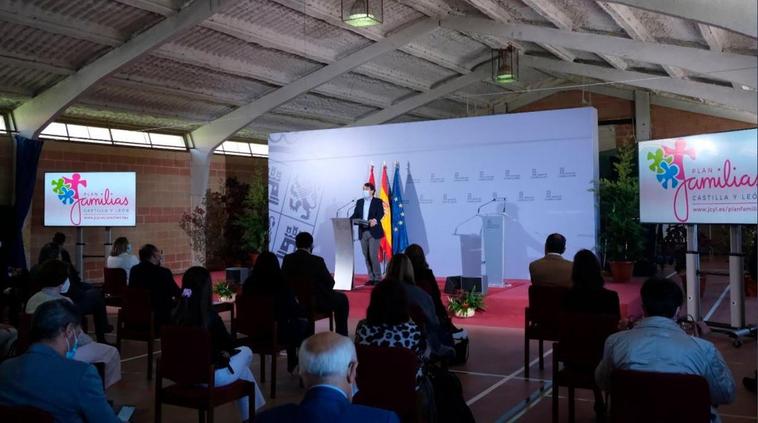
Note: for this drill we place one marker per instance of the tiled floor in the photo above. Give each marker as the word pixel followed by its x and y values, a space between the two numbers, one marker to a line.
pixel 493 382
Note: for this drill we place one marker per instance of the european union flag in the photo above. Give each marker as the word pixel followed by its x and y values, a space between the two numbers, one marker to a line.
pixel 399 232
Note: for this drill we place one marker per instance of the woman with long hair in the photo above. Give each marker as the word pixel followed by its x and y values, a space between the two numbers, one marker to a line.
pixel 121 256
pixel 587 294
pixel 425 280
pixel 267 280
pixel 195 309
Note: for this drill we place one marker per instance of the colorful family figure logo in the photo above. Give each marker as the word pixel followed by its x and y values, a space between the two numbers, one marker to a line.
pixel 67 189
pixel 668 163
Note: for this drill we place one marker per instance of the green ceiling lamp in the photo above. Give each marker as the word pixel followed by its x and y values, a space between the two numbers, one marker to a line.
pixel 362 13
pixel 505 65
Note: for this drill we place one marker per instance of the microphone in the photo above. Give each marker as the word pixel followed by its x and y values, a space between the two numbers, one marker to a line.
pixel 337 214
pixel 487 203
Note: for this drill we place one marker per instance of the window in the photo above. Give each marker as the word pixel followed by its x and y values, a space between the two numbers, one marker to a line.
pixel 2 124
pixel 99 135
pixel 236 148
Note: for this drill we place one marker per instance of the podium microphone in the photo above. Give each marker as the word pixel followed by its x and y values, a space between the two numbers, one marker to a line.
pixel 337 214
pixel 487 203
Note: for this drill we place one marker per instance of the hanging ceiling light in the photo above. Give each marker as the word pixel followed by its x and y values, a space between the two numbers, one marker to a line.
pixel 362 13
pixel 505 65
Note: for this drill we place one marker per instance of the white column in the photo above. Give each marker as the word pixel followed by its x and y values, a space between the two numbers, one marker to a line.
pixel 642 125
pixel 200 166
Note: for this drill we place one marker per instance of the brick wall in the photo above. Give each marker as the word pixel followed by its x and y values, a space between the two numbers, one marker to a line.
pixel 163 187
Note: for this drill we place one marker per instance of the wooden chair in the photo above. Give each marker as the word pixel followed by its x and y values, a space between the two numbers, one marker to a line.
pixel 580 349
pixel 136 321
pixel 256 319
pixel 24 414
pixel 303 290
pixel 541 319
pixel 659 397
pixel 114 285
pixel 187 360
pixel 387 379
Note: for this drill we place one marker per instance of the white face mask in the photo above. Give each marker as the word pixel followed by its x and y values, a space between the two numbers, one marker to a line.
pixel 366 194
pixel 65 286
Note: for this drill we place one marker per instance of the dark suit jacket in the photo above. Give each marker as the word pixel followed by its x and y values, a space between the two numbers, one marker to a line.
pixel 70 390
pixel 593 301
pixel 160 282
pixel 326 405
pixel 302 265
pixel 375 211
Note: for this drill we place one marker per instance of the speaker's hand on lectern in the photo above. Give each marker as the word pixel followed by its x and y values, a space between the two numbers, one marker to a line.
pixel 372 222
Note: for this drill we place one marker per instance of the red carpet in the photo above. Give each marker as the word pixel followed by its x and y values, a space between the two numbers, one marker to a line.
pixel 505 306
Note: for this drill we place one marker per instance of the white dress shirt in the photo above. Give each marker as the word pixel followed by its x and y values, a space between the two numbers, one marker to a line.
pixel 124 261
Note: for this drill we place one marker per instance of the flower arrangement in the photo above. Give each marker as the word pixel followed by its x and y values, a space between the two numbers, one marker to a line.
pixel 224 291
pixel 465 303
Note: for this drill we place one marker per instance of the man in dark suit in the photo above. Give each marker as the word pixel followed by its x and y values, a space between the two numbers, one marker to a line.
pixel 328 364
pixel 304 266
pixel 149 275
pixel 44 378
pixel 371 210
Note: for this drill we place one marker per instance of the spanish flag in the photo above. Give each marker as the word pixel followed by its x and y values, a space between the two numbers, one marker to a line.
pixel 384 195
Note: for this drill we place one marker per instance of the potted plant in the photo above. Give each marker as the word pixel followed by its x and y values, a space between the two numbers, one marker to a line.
pixel 203 224
pixel 465 304
pixel 253 221
pixel 224 292
pixel 622 234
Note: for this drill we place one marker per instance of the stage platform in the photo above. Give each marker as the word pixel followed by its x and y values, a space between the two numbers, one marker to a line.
pixel 505 306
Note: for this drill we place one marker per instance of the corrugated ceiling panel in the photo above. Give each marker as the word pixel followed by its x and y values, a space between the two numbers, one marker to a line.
pixel 25 42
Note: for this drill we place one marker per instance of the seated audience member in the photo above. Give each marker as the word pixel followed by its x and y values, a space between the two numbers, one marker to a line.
pixel 44 377
pixel 121 256
pixel 195 309
pixel 150 275
pixel 90 300
pixel 587 295
pixel 267 280
pixel 388 324
pixel 303 265
pixel 328 364
pixel 424 278
pixel 658 344
pixel 53 275
pixel 553 269
pixel 8 336
pixel 400 270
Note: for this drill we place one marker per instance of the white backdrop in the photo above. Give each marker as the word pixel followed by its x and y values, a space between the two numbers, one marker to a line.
pixel 543 163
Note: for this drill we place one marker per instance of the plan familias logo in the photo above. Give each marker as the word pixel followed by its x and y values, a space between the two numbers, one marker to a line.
pixel 668 163
pixel 67 189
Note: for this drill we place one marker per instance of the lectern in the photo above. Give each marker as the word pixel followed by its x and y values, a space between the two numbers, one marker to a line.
pixel 493 239
pixel 343 249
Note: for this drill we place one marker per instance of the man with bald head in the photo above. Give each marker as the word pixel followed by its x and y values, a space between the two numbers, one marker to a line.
pixel 328 364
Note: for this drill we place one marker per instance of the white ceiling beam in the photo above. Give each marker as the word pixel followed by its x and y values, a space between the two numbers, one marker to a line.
pixel 160 7
pixel 322 11
pixel 636 29
pixel 441 90
pixel 433 8
pixel 740 100
pixel 729 67
pixel 734 15
pixel 26 13
pixel 496 11
pixel 210 135
pixel 551 12
pixel 32 116
pixel 714 40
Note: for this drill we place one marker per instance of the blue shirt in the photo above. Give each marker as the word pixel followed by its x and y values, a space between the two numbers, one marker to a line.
pixel 366 205
pixel 658 344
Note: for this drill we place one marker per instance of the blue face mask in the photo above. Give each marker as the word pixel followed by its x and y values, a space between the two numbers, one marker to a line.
pixel 129 249
pixel 70 352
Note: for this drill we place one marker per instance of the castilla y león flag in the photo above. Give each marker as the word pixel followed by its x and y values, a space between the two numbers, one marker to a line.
pixel 386 222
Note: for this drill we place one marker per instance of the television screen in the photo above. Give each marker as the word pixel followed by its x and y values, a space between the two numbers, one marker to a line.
pixel 90 199
pixel 709 178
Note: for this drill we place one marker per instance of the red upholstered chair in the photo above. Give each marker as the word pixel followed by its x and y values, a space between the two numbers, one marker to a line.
pixel 541 319
pixel 10 414
pixel 659 397
pixel 387 379
pixel 136 321
pixel 303 290
pixel 256 319
pixel 114 285
pixel 187 360
pixel 582 338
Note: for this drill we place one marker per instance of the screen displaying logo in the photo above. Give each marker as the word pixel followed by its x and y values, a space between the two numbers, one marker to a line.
pixel 708 178
pixel 90 199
